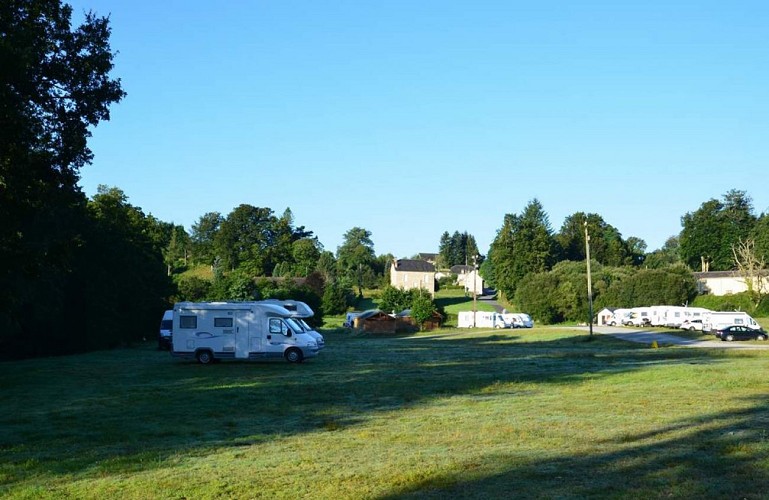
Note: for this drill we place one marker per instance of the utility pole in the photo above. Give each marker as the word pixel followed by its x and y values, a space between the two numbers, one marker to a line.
pixel 475 274
pixel 589 281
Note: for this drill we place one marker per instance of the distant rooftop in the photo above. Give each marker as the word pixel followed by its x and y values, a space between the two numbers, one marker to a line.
pixel 417 266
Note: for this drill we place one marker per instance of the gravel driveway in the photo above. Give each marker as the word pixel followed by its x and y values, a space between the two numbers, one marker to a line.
pixel 647 337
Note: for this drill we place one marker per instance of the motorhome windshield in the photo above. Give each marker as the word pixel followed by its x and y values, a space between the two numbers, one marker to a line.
pixel 303 324
pixel 296 327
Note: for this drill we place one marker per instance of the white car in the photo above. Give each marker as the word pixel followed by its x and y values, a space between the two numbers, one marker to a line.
pixel 692 325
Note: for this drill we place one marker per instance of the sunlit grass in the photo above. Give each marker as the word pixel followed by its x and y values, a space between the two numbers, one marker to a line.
pixel 546 412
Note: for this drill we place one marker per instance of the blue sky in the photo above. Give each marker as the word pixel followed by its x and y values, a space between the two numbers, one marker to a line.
pixel 411 118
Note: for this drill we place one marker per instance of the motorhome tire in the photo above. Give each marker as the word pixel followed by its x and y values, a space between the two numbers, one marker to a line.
pixel 205 357
pixel 293 355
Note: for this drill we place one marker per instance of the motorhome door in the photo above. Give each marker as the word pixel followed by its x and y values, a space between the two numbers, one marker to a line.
pixel 242 334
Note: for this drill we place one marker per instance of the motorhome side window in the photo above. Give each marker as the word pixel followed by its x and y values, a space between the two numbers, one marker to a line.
pixel 277 326
pixel 188 321
pixel 223 322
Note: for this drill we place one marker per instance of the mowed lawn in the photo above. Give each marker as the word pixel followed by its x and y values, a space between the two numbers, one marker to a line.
pixel 454 414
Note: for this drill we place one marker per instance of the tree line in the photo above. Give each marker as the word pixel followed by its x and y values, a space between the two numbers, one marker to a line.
pixel 544 272
pixel 81 274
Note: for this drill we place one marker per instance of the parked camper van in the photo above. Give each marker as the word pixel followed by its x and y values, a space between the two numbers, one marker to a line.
pixel 484 319
pixel 166 330
pixel 618 317
pixel 299 311
pixel 717 320
pixel 639 316
pixel 210 331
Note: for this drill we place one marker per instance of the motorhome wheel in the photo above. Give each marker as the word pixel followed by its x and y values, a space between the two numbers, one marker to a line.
pixel 293 355
pixel 205 357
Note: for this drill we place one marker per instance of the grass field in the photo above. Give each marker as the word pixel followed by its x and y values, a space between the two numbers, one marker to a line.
pixel 455 414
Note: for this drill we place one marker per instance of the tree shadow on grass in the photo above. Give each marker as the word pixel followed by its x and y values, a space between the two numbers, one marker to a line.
pixel 109 412
pixel 726 459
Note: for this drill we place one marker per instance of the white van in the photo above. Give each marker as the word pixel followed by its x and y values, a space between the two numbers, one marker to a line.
pixel 210 331
pixel 166 330
pixel 716 320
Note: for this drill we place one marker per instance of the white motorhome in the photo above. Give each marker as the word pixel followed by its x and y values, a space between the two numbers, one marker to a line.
pixel 300 310
pixel 716 320
pixel 210 331
pixel 484 319
pixel 479 319
pixel 618 317
pixel 639 316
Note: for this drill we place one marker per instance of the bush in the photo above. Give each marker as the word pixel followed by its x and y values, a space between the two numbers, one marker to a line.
pixel 193 289
pixel 733 302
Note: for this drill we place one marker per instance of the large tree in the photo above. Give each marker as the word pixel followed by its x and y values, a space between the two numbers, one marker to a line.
pixel 668 255
pixel 524 245
pixel 356 258
pixel 606 243
pixel 204 236
pixel 54 87
pixel 460 248
pixel 709 232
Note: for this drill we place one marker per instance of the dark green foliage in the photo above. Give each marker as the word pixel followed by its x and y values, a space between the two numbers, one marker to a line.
pixel 760 235
pixel 355 258
pixel 666 256
pixel 536 294
pixel 54 87
pixel 203 237
pixel 561 294
pixel 126 280
pixel 395 300
pixel 732 302
pixel 458 249
pixel 524 245
pixel 606 243
pixel 335 298
pixel 422 307
pixel 193 289
pixel 305 253
pixel 709 233
pixel 672 286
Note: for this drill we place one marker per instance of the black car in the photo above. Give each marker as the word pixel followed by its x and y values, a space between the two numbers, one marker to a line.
pixel 737 332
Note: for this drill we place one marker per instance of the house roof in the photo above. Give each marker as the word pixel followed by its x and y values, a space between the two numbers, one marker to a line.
pixel 373 313
pixel 461 269
pixel 419 266
pixel 716 274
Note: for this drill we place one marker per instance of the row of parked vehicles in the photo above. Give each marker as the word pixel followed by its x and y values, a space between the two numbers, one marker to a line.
pixel 726 325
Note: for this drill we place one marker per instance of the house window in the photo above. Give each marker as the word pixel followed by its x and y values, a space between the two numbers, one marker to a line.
pixel 188 321
pixel 223 322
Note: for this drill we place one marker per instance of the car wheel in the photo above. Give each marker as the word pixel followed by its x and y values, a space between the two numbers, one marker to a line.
pixel 293 355
pixel 729 338
pixel 691 328
pixel 205 357
pixel 760 337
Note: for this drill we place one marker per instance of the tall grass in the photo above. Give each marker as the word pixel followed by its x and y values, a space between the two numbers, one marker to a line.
pixel 455 414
